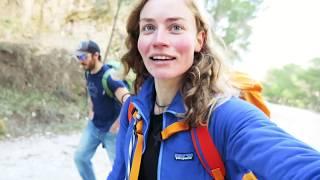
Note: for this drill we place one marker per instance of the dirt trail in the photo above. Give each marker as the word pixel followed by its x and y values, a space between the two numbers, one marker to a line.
pixel 46 157
pixel 50 157
pixel 302 124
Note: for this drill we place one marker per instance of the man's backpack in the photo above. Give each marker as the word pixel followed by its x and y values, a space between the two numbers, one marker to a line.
pixel 250 90
pixel 104 81
pixel 112 67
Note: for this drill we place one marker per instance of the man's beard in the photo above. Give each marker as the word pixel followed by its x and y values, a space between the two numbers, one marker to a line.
pixel 90 66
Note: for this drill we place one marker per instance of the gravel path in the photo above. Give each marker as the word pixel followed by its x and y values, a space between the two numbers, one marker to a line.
pixel 51 157
pixel 46 157
pixel 302 124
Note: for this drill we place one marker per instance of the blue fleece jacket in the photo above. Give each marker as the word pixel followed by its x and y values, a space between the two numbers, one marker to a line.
pixel 245 138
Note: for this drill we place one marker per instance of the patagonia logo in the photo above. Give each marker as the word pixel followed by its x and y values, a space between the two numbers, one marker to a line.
pixel 183 156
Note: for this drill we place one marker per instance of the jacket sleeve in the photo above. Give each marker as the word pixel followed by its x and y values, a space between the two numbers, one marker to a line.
pixel 248 140
pixel 118 171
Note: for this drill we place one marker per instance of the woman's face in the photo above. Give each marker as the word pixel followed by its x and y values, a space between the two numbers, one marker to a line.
pixel 168 38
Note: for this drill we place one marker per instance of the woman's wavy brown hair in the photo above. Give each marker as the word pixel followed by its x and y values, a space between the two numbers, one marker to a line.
pixel 202 82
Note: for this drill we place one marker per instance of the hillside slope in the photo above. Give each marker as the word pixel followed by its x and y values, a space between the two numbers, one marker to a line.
pixel 39 86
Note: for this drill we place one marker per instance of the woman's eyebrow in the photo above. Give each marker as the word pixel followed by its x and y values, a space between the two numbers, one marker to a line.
pixel 167 20
pixel 175 19
pixel 146 20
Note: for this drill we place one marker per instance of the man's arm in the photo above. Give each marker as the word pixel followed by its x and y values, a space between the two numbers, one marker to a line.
pixel 119 88
pixel 122 94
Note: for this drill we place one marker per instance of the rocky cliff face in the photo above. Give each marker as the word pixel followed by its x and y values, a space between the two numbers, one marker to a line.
pixel 64 16
pixel 37 38
pixel 31 67
pixel 63 23
pixel 39 86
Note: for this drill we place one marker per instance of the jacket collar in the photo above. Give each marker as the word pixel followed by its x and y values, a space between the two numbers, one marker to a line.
pixel 144 100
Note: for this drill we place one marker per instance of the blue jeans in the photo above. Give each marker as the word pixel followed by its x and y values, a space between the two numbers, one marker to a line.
pixel 91 138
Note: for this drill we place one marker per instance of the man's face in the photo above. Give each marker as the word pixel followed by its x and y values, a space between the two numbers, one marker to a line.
pixel 87 61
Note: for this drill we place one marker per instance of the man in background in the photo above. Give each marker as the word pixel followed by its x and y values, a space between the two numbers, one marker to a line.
pixel 104 108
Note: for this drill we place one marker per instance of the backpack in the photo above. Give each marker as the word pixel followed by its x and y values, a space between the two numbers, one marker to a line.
pixel 250 90
pixel 113 66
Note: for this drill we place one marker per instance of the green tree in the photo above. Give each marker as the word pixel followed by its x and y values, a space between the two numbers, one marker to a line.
pixel 294 85
pixel 231 18
pixel 282 85
pixel 311 84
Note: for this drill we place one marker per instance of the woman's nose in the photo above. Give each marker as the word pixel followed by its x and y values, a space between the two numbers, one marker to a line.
pixel 160 38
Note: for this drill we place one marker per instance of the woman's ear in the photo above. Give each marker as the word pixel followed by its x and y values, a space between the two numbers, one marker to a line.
pixel 200 41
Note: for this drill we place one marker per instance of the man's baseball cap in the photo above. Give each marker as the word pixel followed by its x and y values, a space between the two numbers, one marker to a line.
pixel 87 46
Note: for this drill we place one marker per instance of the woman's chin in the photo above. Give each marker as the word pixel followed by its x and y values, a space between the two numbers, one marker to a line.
pixel 165 76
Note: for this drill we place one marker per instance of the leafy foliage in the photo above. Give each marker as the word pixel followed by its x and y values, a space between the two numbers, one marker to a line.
pixel 294 85
pixel 232 19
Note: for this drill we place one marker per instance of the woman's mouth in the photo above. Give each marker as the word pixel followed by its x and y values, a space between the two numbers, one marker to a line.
pixel 162 58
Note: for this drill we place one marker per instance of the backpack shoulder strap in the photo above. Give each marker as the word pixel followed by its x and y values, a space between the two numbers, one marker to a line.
pixel 207 152
pixel 131 111
pixel 86 75
pixel 202 142
pixel 104 80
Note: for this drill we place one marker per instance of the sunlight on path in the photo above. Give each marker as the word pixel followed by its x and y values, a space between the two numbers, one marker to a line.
pixel 49 158
pixel 302 124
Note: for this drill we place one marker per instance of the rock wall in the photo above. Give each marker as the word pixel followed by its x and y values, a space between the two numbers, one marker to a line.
pixel 63 23
pixel 32 67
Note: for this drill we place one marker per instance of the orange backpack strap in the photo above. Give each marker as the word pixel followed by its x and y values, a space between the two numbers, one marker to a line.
pixel 138 130
pixel 207 152
pixel 135 168
pixel 174 128
pixel 131 111
pixel 201 139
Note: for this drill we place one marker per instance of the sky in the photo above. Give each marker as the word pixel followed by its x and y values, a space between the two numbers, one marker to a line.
pixel 285 31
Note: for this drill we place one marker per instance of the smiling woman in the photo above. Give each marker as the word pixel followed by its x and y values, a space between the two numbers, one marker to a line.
pixel 165 40
pixel 182 102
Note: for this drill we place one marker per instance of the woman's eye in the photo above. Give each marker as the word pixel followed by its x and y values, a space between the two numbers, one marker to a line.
pixel 176 28
pixel 148 28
